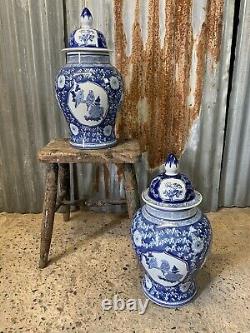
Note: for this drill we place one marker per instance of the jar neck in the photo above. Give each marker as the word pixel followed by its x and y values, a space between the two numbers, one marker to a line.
pixel 80 58
pixel 170 215
pixel 172 219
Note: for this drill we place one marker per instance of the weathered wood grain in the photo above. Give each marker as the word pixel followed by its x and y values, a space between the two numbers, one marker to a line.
pixel 64 188
pixel 48 212
pixel 60 151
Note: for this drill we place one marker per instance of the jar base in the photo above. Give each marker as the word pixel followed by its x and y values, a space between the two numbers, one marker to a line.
pixel 172 297
pixel 93 145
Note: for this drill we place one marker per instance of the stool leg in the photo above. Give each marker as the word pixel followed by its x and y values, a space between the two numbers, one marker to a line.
pixel 48 212
pixel 131 189
pixel 64 188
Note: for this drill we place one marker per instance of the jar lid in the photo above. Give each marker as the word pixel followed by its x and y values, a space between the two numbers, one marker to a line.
pixel 171 189
pixel 86 38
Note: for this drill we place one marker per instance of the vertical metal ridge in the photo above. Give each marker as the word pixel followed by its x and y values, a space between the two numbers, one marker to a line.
pixel 203 152
pixel 27 98
pixel 13 135
pixel 235 180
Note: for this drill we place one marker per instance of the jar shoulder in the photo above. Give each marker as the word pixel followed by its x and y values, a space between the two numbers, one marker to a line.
pixel 189 242
pixel 145 222
pixel 93 65
pixel 95 70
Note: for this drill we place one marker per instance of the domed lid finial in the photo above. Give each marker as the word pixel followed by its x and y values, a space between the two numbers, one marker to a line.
pixel 171 165
pixel 171 189
pixel 87 37
pixel 86 18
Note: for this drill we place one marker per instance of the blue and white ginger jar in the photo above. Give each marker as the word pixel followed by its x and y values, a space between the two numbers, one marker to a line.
pixel 171 237
pixel 88 88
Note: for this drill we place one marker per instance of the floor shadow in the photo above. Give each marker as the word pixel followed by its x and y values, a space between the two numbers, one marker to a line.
pixel 203 280
pixel 114 221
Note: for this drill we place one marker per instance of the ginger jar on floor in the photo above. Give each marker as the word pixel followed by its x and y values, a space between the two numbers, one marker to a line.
pixel 171 237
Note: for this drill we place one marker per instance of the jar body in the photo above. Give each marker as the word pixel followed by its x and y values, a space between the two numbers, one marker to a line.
pixel 171 251
pixel 89 92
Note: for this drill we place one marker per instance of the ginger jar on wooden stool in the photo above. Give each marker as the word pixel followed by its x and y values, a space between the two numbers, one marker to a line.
pixel 88 88
pixel 171 237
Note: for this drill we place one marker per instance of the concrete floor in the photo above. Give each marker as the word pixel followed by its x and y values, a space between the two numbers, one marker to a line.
pixel 92 259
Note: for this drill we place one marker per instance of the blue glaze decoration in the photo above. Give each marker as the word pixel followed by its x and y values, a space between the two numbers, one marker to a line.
pixel 182 205
pixel 86 36
pixel 179 191
pixel 171 186
pixel 171 159
pixel 86 12
pixel 172 241
pixel 170 257
pixel 89 89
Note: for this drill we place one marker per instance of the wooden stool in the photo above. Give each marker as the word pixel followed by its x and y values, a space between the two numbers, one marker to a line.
pixel 58 154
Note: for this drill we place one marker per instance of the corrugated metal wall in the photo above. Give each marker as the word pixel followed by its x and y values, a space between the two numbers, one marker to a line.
pixel 235 182
pixel 174 56
pixel 202 155
pixel 31 31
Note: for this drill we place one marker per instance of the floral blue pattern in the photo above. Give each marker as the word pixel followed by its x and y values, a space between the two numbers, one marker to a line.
pixel 174 191
pixel 171 186
pixel 171 237
pixel 90 136
pixel 188 244
pixel 86 36
pixel 88 88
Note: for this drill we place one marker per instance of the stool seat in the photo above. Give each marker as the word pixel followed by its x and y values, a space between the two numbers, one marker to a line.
pixel 57 155
pixel 61 151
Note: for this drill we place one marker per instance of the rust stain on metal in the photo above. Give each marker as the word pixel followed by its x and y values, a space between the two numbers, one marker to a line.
pixel 159 76
pixel 183 43
pixel 200 69
pixel 209 43
pixel 214 27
